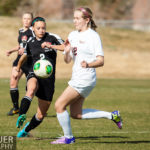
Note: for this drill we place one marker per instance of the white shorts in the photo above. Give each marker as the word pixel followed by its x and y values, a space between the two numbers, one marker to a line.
pixel 84 91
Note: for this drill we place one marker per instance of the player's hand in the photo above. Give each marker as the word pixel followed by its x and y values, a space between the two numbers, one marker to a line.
pixel 43 45
pixel 67 46
pixel 46 44
pixel 8 53
pixel 21 51
pixel 66 42
pixel 84 64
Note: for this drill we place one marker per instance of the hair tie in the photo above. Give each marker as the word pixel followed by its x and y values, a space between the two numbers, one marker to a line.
pixel 84 12
pixel 37 19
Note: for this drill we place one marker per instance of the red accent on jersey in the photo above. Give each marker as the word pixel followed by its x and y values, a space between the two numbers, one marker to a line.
pixel 24 38
pixel 74 51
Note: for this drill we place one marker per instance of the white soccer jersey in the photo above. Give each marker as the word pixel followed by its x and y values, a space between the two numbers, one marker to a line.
pixel 85 46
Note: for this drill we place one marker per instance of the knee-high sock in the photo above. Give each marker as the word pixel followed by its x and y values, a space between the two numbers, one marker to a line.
pixel 94 114
pixel 64 121
pixel 14 93
pixel 25 104
pixel 33 123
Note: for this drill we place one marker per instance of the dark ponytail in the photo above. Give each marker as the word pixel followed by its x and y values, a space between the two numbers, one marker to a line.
pixel 93 25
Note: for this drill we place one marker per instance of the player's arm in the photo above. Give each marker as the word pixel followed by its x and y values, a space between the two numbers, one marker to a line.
pixel 14 49
pixel 99 62
pixel 9 52
pixel 98 52
pixel 67 57
pixel 58 47
pixel 59 42
pixel 21 51
pixel 22 59
pixel 49 45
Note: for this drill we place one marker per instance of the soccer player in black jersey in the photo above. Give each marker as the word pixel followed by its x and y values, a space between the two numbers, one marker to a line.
pixel 24 34
pixel 39 48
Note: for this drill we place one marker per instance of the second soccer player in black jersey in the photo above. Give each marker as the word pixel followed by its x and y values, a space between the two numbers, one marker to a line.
pixel 42 88
pixel 24 34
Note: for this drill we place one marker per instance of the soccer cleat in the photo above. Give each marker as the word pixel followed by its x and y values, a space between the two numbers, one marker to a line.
pixel 13 111
pixel 64 140
pixel 23 133
pixel 21 119
pixel 117 118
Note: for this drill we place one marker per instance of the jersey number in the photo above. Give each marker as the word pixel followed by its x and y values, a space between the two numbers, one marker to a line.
pixel 42 56
pixel 74 51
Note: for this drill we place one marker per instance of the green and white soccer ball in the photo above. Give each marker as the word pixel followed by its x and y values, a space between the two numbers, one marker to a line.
pixel 43 68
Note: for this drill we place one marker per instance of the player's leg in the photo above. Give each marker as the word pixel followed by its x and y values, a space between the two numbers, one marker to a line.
pixel 36 120
pixel 76 108
pixel 67 97
pixel 14 92
pixel 77 112
pixel 32 86
pixel 43 107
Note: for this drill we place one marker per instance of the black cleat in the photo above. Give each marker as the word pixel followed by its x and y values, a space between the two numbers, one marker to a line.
pixel 13 111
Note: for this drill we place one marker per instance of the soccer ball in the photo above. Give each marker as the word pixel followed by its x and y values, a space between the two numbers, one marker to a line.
pixel 43 68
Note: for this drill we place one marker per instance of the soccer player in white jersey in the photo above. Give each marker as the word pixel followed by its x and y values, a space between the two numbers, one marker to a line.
pixel 85 49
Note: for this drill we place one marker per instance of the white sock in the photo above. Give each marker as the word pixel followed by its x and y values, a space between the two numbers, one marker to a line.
pixel 94 114
pixel 64 121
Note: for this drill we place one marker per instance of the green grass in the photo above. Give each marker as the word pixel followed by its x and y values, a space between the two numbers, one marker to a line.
pixel 131 97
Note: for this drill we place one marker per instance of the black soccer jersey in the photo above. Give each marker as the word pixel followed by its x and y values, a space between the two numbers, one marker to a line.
pixel 37 52
pixel 24 36
pixel 22 40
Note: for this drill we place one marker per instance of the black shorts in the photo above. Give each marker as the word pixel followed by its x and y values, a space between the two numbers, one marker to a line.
pixel 15 63
pixel 25 67
pixel 46 87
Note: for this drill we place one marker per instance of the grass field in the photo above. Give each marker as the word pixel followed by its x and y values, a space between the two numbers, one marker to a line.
pixel 131 97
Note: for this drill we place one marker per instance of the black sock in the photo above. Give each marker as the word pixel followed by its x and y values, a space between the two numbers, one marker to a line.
pixel 25 104
pixel 33 124
pixel 14 93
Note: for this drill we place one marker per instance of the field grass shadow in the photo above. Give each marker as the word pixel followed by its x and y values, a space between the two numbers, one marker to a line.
pixel 96 138
pixel 84 138
pixel 100 137
pixel 125 142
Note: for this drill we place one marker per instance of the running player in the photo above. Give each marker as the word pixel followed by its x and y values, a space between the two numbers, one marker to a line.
pixel 24 34
pixel 85 48
pixel 39 48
